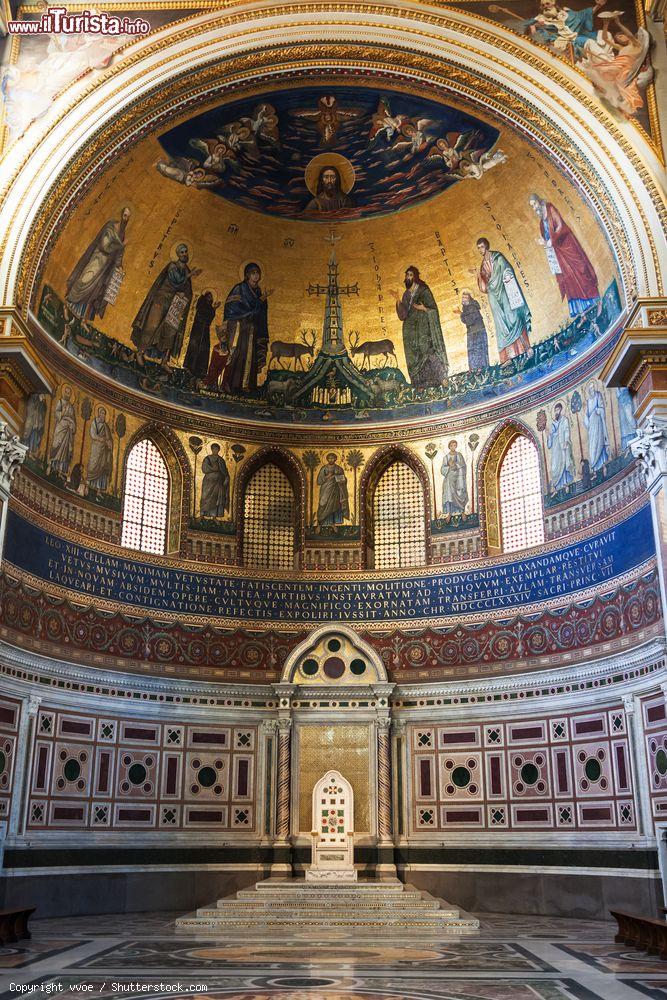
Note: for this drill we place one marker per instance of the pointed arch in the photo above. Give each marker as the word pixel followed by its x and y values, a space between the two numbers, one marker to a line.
pixel 180 480
pixel 287 464
pixel 379 464
pixel 489 470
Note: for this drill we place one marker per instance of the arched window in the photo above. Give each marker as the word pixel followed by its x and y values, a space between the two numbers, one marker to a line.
pixel 145 499
pixel 520 496
pixel 399 519
pixel 268 520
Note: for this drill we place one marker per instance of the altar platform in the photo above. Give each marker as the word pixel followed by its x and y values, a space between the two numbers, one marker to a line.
pixel 369 904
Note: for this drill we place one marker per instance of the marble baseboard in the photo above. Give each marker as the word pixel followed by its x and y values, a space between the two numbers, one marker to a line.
pixel 91 893
pixel 587 895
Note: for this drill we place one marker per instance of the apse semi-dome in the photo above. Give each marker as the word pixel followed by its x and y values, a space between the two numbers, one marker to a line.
pixel 250 261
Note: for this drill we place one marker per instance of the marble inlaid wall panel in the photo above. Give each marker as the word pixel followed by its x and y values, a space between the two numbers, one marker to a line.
pixel 557 773
pixel 105 772
pixel 10 715
pixel 654 716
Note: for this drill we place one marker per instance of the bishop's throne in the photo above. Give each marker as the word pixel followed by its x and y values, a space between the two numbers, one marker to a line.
pixel 333 831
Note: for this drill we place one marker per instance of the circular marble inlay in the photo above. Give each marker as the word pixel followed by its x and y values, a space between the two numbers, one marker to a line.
pixel 358 667
pixel 529 774
pixel 333 645
pixel 660 762
pixel 461 776
pixel 301 982
pixel 137 773
pixel 72 769
pixel 310 667
pixel 592 769
pixel 334 667
pixel 207 777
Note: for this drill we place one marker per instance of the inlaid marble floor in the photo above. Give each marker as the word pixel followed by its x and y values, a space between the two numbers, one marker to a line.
pixel 511 958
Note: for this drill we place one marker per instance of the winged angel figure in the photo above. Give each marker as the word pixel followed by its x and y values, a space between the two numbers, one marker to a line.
pixel 400 132
pixel 462 155
pixel 619 66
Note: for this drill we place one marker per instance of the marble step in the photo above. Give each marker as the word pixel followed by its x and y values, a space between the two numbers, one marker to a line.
pixel 391 887
pixel 330 896
pixel 312 905
pixel 214 918
pixel 229 908
pixel 365 905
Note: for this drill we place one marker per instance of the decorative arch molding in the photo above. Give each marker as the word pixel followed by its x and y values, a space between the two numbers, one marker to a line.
pixel 488 478
pixel 378 465
pixel 195 60
pixel 320 635
pixel 287 464
pixel 180 479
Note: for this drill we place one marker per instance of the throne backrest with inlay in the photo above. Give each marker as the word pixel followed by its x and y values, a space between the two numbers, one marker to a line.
pixel 333 828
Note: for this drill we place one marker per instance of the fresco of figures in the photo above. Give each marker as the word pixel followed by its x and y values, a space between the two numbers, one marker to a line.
pixel 343 153
pixel 79 444
pixel 294 320
pixel 611 47
pixel 38 67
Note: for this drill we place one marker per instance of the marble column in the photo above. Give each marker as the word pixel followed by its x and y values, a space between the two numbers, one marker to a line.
pixel 386 865
pixel 637 741
pixel 284 747
pixel 384 780
pixel 12 456
pixel 399 771
pixel 268 768
pixel 23 766
pixel 282 863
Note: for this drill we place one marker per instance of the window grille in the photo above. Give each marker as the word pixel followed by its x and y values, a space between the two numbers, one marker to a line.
pixel 399 519
pixel 146 499
pixel 521 513
pixel 268 534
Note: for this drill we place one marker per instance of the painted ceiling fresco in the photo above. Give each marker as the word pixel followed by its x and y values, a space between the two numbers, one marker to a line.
pixel 36 69
pixel 385 151
pixel 607 42
pixel 611 47
pixel 254 296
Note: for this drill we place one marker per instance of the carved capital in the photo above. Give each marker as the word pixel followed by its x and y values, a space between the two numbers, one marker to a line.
pixel 284 725
pixel 12 455
pixel 650 447
pixel 630 704
pixel 33 704
pixel 269 726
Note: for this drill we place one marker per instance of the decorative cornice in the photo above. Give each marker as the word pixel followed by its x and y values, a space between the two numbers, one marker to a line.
pixel 623 669
pixel 64 683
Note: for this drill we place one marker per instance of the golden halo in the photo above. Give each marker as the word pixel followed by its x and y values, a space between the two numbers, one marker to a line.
pixel 172 249
pixel 252 260
pixel 345 169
